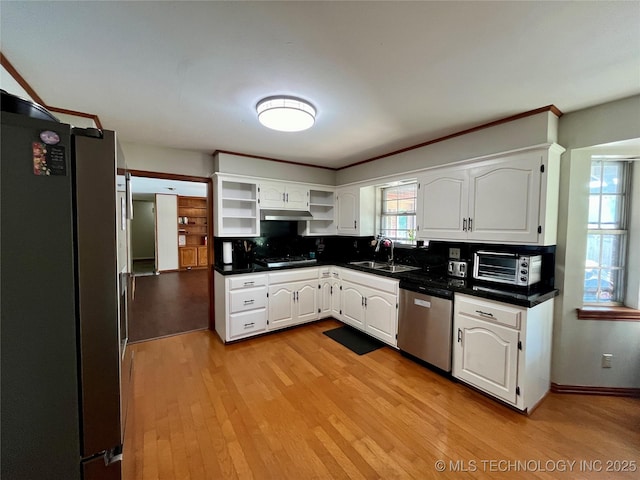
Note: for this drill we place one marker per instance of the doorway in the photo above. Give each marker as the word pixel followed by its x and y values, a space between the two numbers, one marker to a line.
pixel 168 298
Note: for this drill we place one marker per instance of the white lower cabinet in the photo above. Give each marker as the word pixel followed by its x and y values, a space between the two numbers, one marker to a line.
pixel 325 291
pixel 502 349
pixel 251 304
pixel 370 303
pixel 353 304
pixel 329 301
pixel 240 305
pixel 293 297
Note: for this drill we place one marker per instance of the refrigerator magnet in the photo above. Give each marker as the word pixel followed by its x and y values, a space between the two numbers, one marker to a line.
pixel 49 137
pixel 48 160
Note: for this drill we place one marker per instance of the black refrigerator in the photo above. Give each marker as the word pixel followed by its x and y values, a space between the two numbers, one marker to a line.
pixel 63 293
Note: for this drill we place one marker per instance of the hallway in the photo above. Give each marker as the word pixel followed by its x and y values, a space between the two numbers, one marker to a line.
pixel 169 303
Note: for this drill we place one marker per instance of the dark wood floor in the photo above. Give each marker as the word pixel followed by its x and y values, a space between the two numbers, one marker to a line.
pixel 169 303
pixel 297 405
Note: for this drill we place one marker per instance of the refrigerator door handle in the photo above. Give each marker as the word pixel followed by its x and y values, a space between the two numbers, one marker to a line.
pixel 113 455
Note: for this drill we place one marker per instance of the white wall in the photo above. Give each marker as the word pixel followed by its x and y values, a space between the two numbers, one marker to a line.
pixel 255 167
pixel 8 83
pixel 76 121
pixel 143 230
pixel 579 344
pixel 525 132
pixel 167 232
pixel 151 158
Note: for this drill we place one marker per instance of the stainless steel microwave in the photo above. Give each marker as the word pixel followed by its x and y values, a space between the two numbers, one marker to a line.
pixel 508 268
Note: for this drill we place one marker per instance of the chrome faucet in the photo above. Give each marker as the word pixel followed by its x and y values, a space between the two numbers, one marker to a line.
pixel 381 239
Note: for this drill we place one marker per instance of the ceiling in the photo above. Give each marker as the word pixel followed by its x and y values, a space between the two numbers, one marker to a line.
pixel 382 75
pixel 145 188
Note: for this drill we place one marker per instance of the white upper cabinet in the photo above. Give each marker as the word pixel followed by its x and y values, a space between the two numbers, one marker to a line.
pixel 285 196
pixel 504 200
pixel 442 204
pixel 322 208
pixel 511 199
pixel 236 208
pixel 355 210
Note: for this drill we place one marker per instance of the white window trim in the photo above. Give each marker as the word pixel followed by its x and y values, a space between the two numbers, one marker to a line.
pixel 631 293
pixel 380 214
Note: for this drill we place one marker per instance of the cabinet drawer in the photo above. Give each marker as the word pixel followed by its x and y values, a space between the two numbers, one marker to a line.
pixel 246 323
pixel 489 311
pixel 248 299
pixel 247 281
pixel 294 275
pixel 324 272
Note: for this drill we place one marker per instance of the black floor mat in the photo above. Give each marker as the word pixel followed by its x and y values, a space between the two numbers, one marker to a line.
pixel 354 340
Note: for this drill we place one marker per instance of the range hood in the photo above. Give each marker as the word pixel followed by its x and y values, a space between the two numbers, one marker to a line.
pixel 290 215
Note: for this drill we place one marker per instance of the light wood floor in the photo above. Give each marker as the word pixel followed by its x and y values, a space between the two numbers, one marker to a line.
pixel 297 405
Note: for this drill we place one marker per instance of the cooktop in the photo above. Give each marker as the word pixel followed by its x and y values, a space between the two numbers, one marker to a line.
pixel 285 261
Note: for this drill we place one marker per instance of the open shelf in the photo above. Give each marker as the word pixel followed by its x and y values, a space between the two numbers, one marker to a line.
pixel 237 210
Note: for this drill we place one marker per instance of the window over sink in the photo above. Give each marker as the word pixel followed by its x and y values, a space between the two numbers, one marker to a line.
pixel 398 212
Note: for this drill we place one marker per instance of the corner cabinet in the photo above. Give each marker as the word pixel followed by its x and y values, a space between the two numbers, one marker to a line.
pixel 509 199
pixel 355 211
pixel 322 208
pixel 236 208
pixel 503 350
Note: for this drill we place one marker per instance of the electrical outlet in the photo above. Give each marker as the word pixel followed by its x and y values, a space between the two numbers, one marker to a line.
pixel 606 360
pixel 454 253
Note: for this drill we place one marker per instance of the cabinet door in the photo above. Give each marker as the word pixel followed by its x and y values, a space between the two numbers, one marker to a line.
pixel 326 297
pixel 443 204
pixel 306 303
pixel 297 197
pixel 272 195
pixel 352 305
pixel 504 200
pixel 188 257
pixel 381 316
pixel 336 299
pixel 347 207
pixel 203 256
pixel 486 355
pixel 281 313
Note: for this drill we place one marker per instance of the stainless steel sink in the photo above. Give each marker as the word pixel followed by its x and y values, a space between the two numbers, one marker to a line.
pixel 396 268
pixel 368 264
pixel 384 266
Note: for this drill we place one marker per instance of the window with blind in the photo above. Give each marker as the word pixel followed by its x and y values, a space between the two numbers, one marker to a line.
pixel 398 213
pixel 607 232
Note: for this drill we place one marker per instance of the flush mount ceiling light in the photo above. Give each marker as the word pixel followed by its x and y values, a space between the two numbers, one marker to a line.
pixel 286 114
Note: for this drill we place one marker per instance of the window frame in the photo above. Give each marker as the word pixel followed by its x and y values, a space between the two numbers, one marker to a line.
pixel 619 292
pixel 410 213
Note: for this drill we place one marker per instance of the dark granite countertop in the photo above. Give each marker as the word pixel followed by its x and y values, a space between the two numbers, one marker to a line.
pixel 517 297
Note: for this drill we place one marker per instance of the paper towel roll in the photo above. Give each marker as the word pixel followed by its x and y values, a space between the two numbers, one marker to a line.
pixel 227 253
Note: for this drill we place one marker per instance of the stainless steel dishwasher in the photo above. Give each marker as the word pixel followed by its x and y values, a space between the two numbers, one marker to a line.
pixel 425 323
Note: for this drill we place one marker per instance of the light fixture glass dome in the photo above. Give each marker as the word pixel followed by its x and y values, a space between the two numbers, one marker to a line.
pixel 286 114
